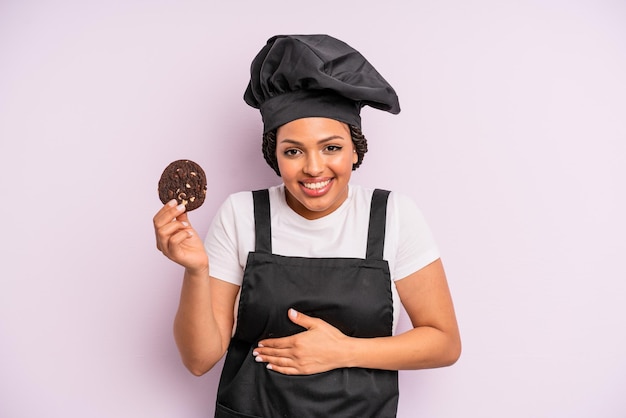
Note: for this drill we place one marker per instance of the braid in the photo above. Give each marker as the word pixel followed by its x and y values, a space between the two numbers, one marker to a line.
pixel 360 144
pixel 269 150
pixel 269 147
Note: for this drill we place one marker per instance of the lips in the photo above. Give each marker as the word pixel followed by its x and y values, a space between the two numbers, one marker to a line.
pixel 316 188
pixel 316 185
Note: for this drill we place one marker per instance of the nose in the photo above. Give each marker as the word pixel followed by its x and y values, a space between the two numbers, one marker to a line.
pixel 314 165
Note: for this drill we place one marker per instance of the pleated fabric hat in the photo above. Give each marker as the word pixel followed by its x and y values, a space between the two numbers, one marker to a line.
pixel 298 76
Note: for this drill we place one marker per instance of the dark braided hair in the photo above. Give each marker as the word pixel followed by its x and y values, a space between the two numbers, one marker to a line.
pixel 269 147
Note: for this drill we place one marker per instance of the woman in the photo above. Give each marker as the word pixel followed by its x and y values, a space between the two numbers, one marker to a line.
pixel 311 273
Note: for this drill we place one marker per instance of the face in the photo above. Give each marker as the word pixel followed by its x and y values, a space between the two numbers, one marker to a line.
pixel 315 158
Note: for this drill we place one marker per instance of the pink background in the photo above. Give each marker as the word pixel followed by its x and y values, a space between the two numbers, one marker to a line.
pixel 511 140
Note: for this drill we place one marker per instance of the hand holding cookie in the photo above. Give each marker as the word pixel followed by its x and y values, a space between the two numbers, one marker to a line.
pixel 182 188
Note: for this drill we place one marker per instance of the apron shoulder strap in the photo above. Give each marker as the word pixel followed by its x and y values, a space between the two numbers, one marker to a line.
pixel 262 221
pixel 378 219
pixel 375 235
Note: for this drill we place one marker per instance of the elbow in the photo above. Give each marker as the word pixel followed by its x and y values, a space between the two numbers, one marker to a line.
pixel 198 361
pixel 199 364
pixel 453 352
pixel 197 372
pixel 197 368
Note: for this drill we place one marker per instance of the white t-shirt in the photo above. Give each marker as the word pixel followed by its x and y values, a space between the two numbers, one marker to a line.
pixel 409 244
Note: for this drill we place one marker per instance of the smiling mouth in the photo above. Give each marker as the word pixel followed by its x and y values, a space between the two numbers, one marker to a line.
pixel 317 185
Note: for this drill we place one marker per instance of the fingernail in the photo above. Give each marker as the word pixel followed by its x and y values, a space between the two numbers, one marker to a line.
pixel 258 359
pixel 260 345
pixel 255 353
pixel 172 203
pixel 293 313
pixel 180 207
pixel 269 366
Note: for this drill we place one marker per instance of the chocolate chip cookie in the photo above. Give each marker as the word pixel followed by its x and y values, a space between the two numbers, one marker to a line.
pixel 185 181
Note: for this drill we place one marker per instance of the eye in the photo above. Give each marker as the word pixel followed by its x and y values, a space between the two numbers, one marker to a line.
pixel 333 148
pixel 292 152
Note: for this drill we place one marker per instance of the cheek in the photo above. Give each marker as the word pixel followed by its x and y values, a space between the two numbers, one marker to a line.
pixel 339 163
pixel 286 166
pixel 349 160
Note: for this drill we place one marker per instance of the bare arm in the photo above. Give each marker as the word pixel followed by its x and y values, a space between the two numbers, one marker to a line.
pixel 204 321
pixel 434 340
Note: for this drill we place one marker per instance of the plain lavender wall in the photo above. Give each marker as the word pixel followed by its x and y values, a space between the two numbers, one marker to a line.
pixel 511 140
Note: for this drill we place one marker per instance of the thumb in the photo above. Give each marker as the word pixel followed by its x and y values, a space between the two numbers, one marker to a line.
pixel 301 319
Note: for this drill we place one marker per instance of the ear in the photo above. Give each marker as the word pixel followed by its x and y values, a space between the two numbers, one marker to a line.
pixel 355 156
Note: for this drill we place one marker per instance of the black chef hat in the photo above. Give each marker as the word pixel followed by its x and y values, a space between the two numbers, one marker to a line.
pixel 298 76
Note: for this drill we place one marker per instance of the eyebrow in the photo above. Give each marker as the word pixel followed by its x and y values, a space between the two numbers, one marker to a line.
pixel 321 141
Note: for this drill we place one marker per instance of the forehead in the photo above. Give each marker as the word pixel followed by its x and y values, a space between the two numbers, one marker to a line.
pixel 313 128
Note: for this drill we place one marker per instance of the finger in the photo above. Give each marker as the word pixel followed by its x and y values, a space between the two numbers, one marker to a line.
pixel 286 365
pixel 177 248
pixel 183 217
pixel 301 319
pixel 165 209
pixel 275 344
pixel 168 213
pixel 298 318
pixel 180 236
pixel 278 363
pixel 279 366
pixel 283 369
pixel 165 233
pixel 165 222
pixel 173 227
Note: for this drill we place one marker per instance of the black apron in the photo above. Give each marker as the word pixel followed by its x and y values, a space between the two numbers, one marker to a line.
pixel 352 294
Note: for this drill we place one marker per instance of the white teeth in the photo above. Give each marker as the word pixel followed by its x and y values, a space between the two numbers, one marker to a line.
pixel 316 186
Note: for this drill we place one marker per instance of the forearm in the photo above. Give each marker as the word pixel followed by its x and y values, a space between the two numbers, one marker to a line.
pixel 196 330
pixel 434 340
pixel 420 348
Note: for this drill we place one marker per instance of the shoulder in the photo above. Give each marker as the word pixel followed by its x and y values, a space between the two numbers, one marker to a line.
pixel 239 206
pixel 404 214
pixel 403 203
pixel 398 203
pixel 239 200
pixel 234 210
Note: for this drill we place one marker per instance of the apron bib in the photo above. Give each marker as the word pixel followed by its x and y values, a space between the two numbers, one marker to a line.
pixel 352 294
